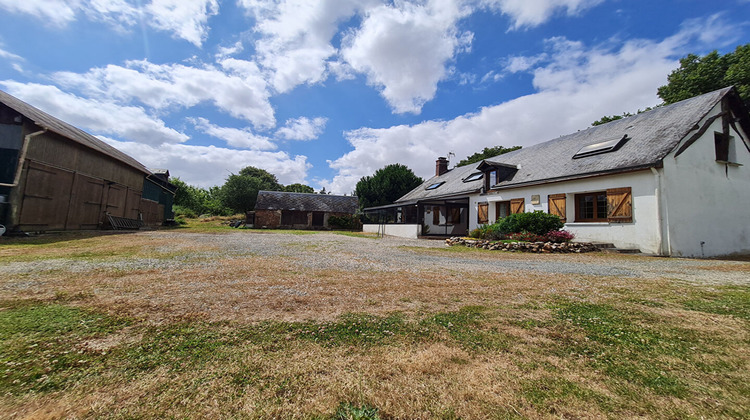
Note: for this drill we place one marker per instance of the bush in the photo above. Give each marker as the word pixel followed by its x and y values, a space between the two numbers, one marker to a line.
pixel 527 237
pixel 183 212
pixel 538 223
pixel 344 222
pixel 559 236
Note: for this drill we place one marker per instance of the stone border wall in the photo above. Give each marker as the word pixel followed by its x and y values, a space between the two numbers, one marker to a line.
pixel 538 247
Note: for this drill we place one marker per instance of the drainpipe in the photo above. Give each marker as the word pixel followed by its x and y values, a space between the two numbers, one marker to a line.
pixel 659 218
pixel 22 157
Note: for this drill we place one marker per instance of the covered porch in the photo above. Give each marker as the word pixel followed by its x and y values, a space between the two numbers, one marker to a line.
pixel 433 218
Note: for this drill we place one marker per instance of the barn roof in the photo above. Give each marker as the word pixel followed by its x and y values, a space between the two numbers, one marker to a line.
pixel 278 200
pixel 638 142
pixel 47 121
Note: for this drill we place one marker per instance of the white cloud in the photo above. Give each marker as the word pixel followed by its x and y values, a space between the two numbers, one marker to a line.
pixel 302 128
pixel 206 166
pixel 530 13
pixel 296 36
pixel 96 116
pixel 575 85
pixel 404 50
pixel 239 90
pixel 235 137
pixel 186 19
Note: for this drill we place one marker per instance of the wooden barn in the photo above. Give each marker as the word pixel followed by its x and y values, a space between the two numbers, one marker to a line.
pixel 54 176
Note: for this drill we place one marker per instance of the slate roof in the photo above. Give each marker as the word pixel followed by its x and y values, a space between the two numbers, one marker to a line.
pixel 453 186
pixel 652 135
pixel 277 200
pixel 44 120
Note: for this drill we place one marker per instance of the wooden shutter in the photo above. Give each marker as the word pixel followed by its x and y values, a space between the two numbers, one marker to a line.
pixel 482 214
pixel 556 205
pixel 516 205
pixel 455 215
pixel 620 205
pixel 436 215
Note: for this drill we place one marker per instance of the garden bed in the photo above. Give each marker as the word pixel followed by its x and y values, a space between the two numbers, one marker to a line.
pixel 537 247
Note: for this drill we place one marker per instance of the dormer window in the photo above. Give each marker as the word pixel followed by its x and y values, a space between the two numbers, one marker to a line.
pixel 434 186
pixel 605 146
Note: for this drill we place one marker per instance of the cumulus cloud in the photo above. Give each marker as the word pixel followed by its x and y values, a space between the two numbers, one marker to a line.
pixel 530 13
pixel 129 122
pixel 186 19
pixel 296 36
pixel 302 128
pixel 404 50
pixel 206 166
pixel 235 137
pixel 575 85
pixel 238 88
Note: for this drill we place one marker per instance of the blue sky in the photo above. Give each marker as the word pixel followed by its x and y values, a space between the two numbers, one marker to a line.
pixel 323 92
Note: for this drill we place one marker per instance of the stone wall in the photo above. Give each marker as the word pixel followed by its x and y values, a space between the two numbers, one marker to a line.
pixel 538 247
pixel 267 218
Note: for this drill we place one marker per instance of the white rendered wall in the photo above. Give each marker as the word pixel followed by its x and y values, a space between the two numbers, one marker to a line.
pixel 642 233
pixel 403 231
pixel 706 201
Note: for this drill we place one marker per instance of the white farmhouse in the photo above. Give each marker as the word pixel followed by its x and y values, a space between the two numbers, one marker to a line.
pixel 672 181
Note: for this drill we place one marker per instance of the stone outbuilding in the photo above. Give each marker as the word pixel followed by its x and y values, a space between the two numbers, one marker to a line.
pixel 277 209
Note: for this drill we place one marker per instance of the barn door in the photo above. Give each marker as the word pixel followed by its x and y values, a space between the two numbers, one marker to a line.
pixel 46 197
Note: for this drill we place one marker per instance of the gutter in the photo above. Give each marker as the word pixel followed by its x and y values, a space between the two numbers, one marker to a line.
pixel 22 157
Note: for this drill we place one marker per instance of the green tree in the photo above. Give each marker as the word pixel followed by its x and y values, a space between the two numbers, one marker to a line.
pixel 240 191
pixel 486 153
pixel 698 75
pixel 386 185
pixel 299 188
pixel 198 200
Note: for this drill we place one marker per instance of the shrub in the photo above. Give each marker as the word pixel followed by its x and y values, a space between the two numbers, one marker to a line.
pixel 527 237
pixel 344 222
pixel 538 223
pixel 183 212
pixel 559 236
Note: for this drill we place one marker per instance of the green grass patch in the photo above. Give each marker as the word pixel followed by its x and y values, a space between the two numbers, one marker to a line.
pixel 728 300
pixel 40 345
pixel 349 411
pixel 554 390
pixel 470 327
pixel 357 234
pixel 627 345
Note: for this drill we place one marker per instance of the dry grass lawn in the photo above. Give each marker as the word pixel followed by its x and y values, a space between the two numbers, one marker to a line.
pixel 168 324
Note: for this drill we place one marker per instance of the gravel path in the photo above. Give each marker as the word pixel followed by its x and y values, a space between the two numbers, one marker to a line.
pixel 334 251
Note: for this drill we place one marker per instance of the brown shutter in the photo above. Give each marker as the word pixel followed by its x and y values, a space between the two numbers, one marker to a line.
pixel 620 205
pixel 482 214
pixel 436 215
pixel 516 205
pixel 455 215
pixel 556 205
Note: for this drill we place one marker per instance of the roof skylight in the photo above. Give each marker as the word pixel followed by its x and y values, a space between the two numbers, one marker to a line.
pixel 435 185
pixel 605 146
pixel 474 177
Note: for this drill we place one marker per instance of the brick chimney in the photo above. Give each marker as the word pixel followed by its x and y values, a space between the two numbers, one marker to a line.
pixel 441 166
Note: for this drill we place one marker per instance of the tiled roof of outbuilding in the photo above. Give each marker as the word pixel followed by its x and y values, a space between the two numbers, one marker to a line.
pixel 44 120
pixel 278 200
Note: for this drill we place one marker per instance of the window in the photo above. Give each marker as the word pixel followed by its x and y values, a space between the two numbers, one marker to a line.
pixel 502 209
pixel 605 146
pixel 591 207
pixel 724 148
pixel 435 185
pixel 454 216
pixel 613 205
pixel 556 205
pixel 517 205
pixel 482 214
pixel 474 177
